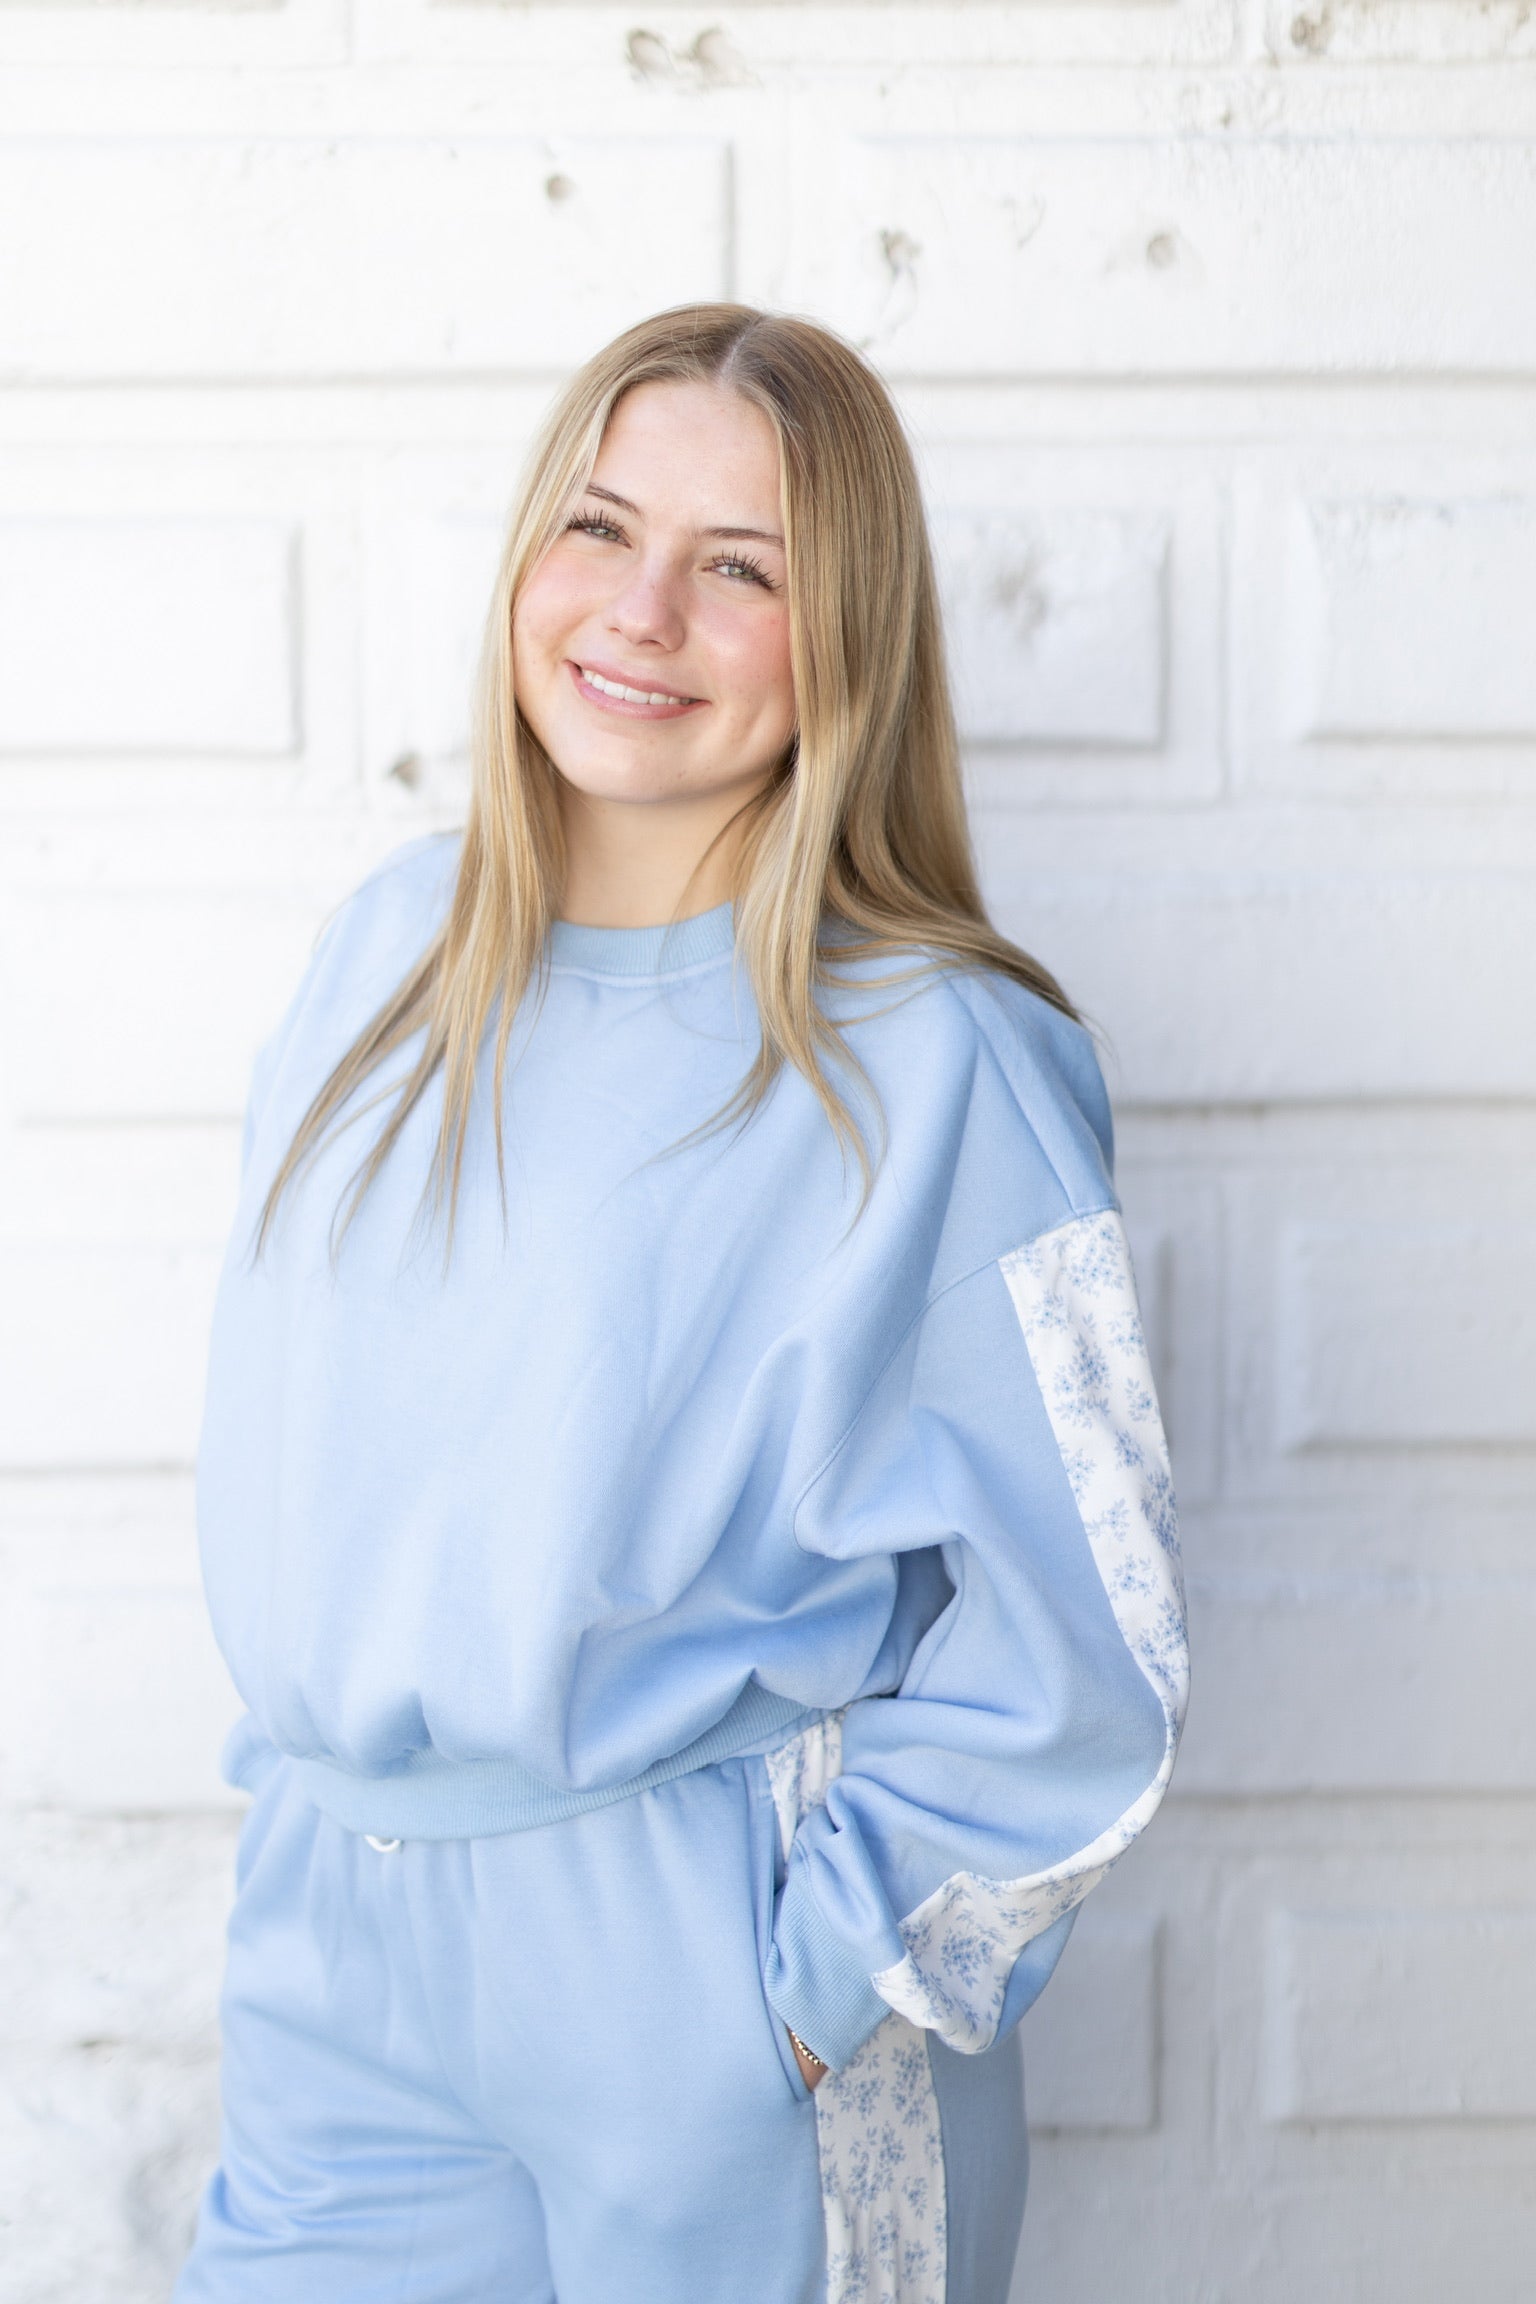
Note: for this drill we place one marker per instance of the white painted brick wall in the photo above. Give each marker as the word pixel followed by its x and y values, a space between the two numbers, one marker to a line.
pixel 1215 321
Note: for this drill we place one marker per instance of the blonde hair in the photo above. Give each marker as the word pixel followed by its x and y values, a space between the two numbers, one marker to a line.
pixel 862 824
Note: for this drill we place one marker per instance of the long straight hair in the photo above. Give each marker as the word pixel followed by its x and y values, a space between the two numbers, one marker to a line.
pixel 862 825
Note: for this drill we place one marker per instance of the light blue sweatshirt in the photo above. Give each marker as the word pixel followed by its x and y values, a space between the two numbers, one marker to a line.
pixel 691 1453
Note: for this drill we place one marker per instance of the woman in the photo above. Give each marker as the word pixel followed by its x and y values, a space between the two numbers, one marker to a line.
pixel 681 1491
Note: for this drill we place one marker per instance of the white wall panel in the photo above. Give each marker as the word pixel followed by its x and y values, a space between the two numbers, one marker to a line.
pixel 1380 639
pixel 1222 2199
pixel 1304 32
pixel 668 53
pixel 172 636
pixel 1415 2015
pixel 180 618
pixel 106 1367
pixel 306 256
pixel 123 32
pixel 148 1007
pixel 1423 1337
pixel 1413 619
pixel 113 1697
pixel 86 1187
pixel 117 1701
pixel 1188 256
pixel 1379 973
pixel 1315 1680
pixel 1057 627
pixel 1380 1330
pixel 435 533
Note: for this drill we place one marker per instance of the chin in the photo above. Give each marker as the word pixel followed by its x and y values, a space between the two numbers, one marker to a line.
pixel 629 778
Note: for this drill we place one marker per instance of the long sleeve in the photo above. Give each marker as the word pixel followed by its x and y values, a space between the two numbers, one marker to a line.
pixel 1016 1429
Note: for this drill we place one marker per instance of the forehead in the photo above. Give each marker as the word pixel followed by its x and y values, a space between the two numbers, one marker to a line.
pixel 696 451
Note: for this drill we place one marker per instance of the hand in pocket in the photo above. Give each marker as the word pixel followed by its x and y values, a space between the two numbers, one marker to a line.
pixel 812 2069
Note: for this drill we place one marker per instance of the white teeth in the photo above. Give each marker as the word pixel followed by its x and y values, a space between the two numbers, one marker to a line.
pixel 629 695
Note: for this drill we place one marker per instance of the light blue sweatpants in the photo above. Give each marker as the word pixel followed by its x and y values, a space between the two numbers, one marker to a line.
pixel 541 2066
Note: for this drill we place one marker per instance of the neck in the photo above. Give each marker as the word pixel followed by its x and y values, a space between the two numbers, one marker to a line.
pixel 637 864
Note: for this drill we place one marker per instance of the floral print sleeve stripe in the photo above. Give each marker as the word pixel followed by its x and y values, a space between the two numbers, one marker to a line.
pixel 1075 1297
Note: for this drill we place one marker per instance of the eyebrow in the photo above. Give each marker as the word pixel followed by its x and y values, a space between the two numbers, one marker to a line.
pixel 759 535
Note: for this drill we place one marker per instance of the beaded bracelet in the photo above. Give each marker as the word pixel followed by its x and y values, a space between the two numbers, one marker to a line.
pixel 809 2054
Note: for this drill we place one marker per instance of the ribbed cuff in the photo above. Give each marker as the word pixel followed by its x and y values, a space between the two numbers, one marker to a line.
pixel 818 1985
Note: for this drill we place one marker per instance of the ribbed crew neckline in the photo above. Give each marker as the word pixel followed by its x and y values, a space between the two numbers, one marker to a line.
pixel 659 951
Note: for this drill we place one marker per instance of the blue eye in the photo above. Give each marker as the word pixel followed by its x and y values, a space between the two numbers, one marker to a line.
pixel 737 564
pixel 592 524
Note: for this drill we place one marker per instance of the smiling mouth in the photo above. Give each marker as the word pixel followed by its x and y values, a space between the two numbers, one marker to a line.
pixel 626 695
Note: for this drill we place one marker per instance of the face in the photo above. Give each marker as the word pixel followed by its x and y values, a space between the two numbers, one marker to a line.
pixel 651 644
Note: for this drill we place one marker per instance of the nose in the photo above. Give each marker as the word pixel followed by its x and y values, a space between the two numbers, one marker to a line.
pixel 647 610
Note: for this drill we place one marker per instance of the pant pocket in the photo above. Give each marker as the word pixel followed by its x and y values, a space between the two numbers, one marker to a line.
pixel 768 1882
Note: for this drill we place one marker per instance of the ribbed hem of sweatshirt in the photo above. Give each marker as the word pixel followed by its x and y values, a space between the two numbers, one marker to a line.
pixel 816 1984
pixel 662 951
pixel 431 1798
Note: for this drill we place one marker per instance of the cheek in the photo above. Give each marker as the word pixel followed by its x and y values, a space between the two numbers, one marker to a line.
pixel 547 608
pixel 538 657
pixel 527 653
pixel 761 665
